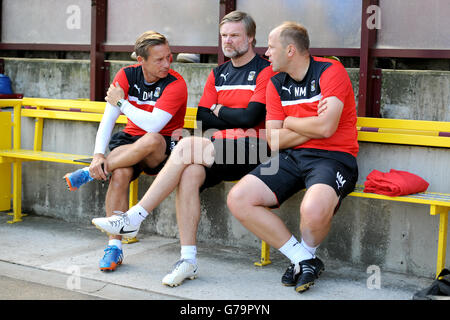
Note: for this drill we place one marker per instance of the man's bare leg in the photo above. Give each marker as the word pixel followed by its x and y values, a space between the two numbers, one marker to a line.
pixel 193 150
pixel 149 148
pixel 247 201
pixel 116 200
pixel 117 194
pixel 188 203
pixel 188 218
pixel 316 211
pixel 154 146
pixel 249 198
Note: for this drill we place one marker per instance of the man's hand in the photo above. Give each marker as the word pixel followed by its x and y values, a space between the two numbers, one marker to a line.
pixel 95 168
pixel 322 107
pixel 114 94
pixel 216 110
pixel 280 138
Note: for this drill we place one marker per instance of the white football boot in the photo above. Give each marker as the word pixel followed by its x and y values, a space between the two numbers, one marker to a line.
pixel 182 270
pixel 118 225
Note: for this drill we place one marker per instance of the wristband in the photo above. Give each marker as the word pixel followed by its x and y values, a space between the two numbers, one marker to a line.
pixel 213 107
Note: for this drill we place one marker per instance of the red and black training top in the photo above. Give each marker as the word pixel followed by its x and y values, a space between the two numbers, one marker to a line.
pixel 325 78
pixel 168 94
pixel 237 89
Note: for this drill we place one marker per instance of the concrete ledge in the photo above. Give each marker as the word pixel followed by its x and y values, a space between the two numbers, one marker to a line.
pixel 67 256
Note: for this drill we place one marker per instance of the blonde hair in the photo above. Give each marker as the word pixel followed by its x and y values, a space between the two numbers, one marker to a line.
pixel 249 23
pixel 148 39
pixel 296 34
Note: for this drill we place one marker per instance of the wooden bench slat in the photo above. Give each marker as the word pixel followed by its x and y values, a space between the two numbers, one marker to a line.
pixel 68 115
pixel 43 156
pixel 430 198
pixel 190 123
pixel 191 112
pixel 190 119
pixel 409 139
pixel 403 124
pixel 67 104
pixel 10 102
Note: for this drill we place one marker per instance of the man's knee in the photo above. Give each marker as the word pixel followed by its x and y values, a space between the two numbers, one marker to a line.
pixel 151 141
pixel 235 201
pixel 193 177
pixel 316 211
pixel 182 148
pixel 319 203
pixel 240 198
pixel 121 177
pixel 250 191
pixel 193 150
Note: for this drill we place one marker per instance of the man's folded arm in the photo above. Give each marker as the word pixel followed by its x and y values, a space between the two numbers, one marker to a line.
pixel 210 121
pixel 280 138
pixel 318 127
pixel 244 117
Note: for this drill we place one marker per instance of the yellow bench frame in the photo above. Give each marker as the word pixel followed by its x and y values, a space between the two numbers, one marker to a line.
pixel 56 109
pixel 391 131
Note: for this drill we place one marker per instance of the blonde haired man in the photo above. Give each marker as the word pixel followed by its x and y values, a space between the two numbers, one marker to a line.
pixel 153 97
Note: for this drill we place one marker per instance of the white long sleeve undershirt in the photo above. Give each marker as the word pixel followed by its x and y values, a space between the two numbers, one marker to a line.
pixel 148 121
pixel 105 128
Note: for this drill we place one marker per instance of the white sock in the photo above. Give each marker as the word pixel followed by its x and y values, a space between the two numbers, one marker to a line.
pixel 311 250
pixel 295 251
pixel 115 242
pixel 189 253
pixel 137 214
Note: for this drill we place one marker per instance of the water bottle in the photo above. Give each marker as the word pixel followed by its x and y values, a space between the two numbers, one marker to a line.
pixel 5 84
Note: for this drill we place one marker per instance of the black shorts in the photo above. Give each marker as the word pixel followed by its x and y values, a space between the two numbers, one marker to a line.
pixel 234 158
pixel 122 138
pixel 302 168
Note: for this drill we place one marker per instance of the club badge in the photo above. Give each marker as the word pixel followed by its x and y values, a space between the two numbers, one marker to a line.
pixel 313 85
pixel 157 92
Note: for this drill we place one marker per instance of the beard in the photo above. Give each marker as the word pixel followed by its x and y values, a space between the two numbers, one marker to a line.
pixel 236 52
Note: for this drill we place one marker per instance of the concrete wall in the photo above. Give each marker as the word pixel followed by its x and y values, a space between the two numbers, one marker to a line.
pixel 394 236
pixel 69 79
